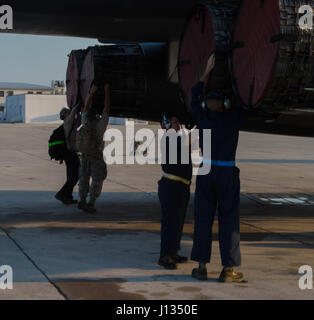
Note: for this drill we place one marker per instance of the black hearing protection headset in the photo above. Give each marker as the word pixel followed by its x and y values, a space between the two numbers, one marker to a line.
pixel 165 121
pixel 227 105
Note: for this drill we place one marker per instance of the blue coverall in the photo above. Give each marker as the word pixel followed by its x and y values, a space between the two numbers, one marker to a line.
pixel 174 198
pixel 219 188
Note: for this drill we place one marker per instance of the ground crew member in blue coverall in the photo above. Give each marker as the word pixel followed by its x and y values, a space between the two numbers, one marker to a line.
pixel 221 186
pixel 174 194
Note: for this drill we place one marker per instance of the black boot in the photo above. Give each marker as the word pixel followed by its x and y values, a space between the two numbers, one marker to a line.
pixel 82 204
pixel 200 274
pixel 167 262
pixel 179 259
pixel 90 208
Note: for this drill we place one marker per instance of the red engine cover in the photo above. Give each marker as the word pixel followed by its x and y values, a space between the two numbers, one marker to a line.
pixel 197 43
pixel 254 63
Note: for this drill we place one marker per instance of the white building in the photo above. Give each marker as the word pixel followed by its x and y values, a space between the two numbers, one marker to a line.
pixel 8 89
pixel 29 103
pixel 33 108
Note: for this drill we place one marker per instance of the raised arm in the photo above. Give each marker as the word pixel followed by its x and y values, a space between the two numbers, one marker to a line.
pixel 198 89
pixel 69 120
pixel 107 99
pixel 73 113
pixel 90 98
pixel 209 67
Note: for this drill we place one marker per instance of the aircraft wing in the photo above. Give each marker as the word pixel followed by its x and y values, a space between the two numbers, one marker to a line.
pixel 126 20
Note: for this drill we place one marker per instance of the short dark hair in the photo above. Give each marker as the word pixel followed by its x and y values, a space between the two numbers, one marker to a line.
pixel 63 113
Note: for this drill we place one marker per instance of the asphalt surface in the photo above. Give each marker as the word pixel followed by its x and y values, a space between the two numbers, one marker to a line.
pixel 59 252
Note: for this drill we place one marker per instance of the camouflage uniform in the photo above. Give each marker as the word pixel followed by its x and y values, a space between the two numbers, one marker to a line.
pixel 93 166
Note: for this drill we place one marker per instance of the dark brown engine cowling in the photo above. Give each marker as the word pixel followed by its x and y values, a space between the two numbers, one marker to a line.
pixel 274 65
pixel 76 58
pixel 137 74
pixel 122 66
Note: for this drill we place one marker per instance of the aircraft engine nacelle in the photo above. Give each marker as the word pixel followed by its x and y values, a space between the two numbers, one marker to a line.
pixel 137 74
pixel 76 59
pixel 263 56
pixel 273 64
pixel 208 29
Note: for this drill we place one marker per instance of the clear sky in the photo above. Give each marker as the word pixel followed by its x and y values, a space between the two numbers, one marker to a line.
pixel 37 59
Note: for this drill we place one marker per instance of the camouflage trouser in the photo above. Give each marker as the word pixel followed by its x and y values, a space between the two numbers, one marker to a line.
pixel 92 167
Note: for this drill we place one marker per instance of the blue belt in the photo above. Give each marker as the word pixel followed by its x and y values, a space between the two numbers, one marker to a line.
pixel 219 163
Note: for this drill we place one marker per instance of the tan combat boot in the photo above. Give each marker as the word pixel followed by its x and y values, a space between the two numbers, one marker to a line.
pixel 229 275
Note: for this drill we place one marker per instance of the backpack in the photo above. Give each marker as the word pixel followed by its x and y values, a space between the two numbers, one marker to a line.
pixel 87 140
pixel 57 144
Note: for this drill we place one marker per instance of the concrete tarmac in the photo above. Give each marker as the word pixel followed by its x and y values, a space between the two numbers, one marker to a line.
pixel 59 252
